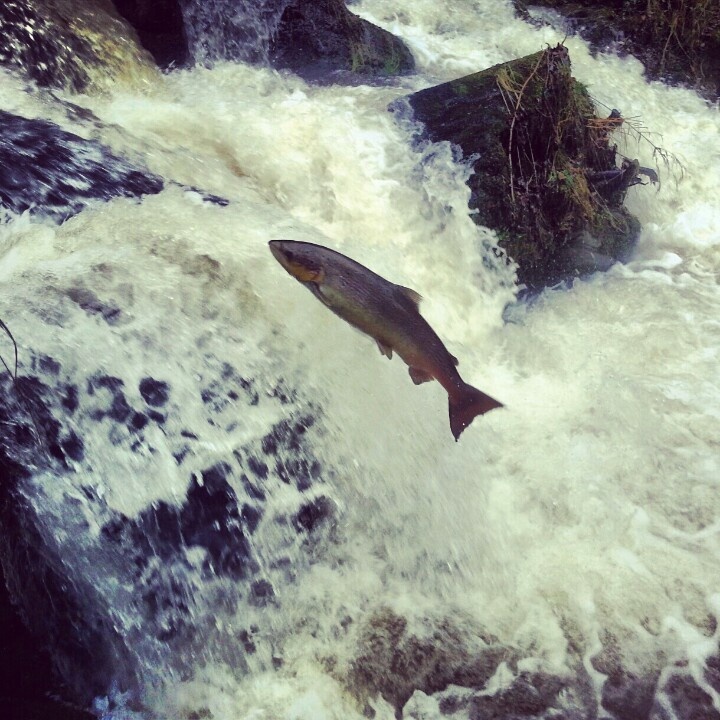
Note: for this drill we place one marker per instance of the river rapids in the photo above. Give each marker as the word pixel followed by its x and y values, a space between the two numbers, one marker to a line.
pixel 357 547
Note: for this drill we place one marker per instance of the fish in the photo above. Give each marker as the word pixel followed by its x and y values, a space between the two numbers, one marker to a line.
pixel 389 314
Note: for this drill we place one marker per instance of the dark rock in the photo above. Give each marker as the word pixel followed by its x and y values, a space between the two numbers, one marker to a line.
pixel 540 197
pixel 72 446
pixel 313 513
pixel 251 516
pixel 138 421
pixel 46 364
pixel 120 409
pixel 712 672
pixel 54 173
pixel 154 392
pixel 315 37
pixel 311 37
pixel 261 593
pixel 69 398
pixel 530 695
pixel 160 27
pixel 157 417
pixel 624 694
pixel 181 565
pixel 35 708
pixel 60 615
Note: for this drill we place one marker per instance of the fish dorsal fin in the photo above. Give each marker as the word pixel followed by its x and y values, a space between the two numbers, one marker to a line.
pixel 455 361
pixel 410 294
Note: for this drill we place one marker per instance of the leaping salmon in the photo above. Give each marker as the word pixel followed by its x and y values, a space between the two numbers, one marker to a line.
pixel 389 314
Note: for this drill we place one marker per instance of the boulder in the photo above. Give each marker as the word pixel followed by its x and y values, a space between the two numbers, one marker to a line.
pixel 160 28
pixel 314 36
pixel 71 44
pixel 545 175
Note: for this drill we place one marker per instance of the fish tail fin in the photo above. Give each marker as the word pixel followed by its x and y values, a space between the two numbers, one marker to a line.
pixel 466 405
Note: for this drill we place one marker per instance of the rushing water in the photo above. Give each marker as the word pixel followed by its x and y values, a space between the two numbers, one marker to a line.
pixel 584 514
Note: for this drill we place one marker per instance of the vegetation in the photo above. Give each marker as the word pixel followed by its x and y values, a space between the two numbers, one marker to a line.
pixel 677 40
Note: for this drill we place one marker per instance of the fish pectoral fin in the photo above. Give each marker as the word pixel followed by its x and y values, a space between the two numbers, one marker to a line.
pixel 419 376
pixel 314 288
pixel 410 294
pixel 386 350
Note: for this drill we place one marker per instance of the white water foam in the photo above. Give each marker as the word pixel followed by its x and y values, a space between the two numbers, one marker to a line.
pixel 588 507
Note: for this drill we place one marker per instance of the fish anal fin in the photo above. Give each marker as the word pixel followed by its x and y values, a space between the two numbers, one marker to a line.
pixel 419 376
pixel 386 350
pixel 410 294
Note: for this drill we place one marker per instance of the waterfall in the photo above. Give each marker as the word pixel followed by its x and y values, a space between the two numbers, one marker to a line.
pixel 261 516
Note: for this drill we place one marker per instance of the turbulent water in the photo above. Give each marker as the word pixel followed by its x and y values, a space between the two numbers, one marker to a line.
pixel 584 515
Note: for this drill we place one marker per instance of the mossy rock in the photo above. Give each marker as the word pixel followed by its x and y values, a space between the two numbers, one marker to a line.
pixel 677 40
pixel 317 36
pixel 545 173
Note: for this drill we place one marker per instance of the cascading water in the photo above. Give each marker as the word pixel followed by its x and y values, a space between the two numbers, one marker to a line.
pixel 220 29
pixel 248 493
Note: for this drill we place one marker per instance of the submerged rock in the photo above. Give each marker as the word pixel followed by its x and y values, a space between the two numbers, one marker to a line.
pixel 545 175
pixel 54 173
pixel 394 661
pixel 121 599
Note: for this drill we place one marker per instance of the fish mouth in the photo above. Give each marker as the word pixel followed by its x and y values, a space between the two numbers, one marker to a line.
pixel 276 248
pixel 295 262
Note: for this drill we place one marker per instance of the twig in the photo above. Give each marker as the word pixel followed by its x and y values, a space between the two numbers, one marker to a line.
pixel 10 335
pixel 514 117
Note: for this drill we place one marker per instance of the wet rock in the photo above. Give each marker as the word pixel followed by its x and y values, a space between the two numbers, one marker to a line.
pixel 313 513
pixel 689 701
pixel 37 708
pixel 530 695
pixel 53 173
pixel 316 37
pixel 311 37
pixel 182 565
pixel 261 593
pixel 624 694
pixel 60 614
pixel 540 158
pixel 712 672
pixel 70 44
pixel 160 28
